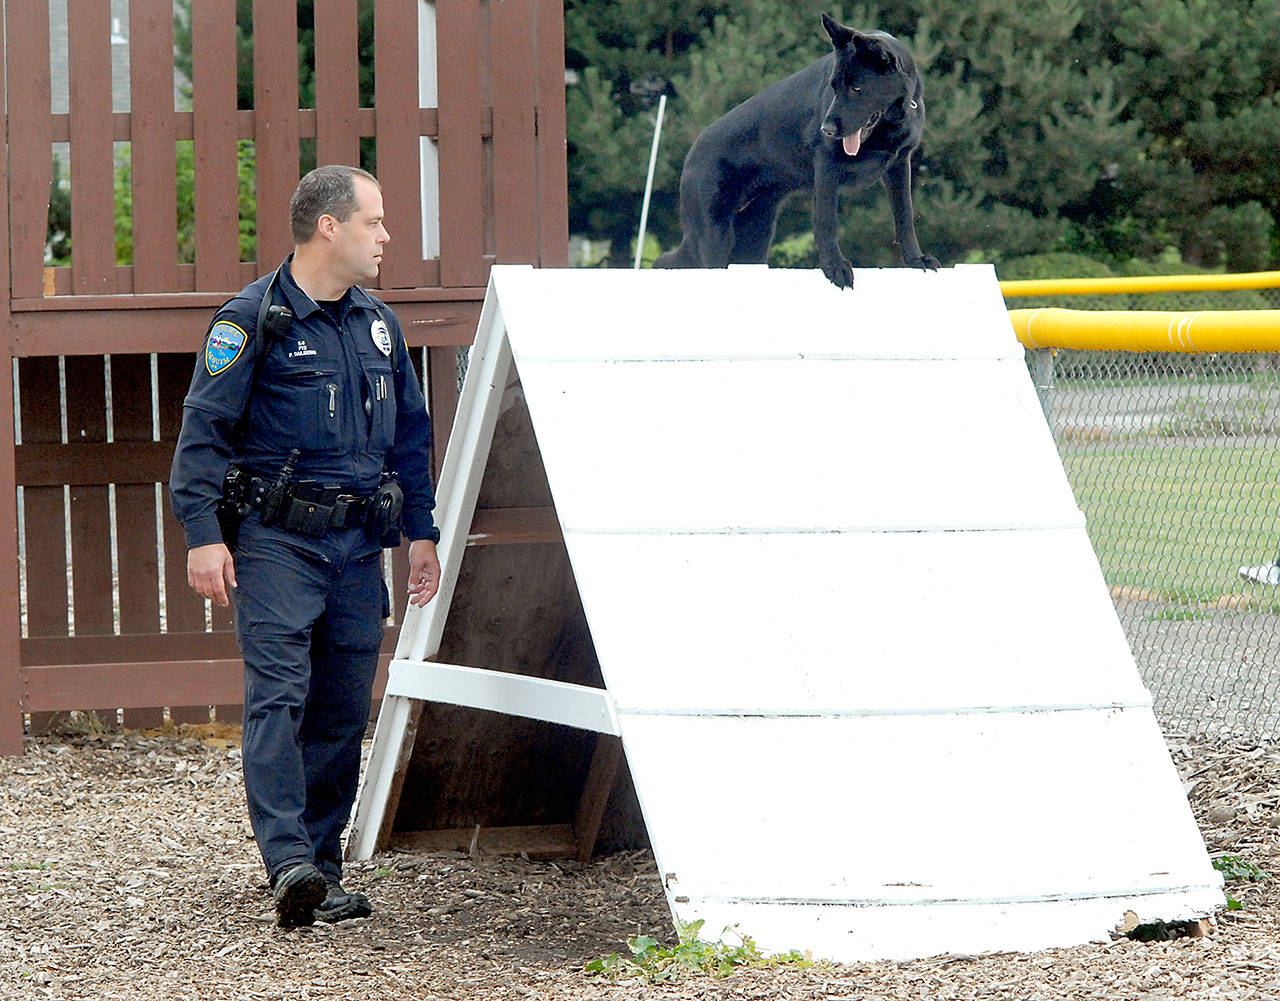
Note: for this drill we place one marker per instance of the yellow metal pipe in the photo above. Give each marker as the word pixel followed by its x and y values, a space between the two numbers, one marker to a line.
pixel 1148 330
pixel 1149 283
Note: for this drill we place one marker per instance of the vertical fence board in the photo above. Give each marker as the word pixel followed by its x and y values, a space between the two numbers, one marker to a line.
pixel 90 507
pixel 90 518
pixel 399 170
pixel 553 171
pixel 217 213
pixel 30 104
pixel 10 624
pixel 459 40
pixel 43 509
pixel 136 551
pixel 399 582
pixel 93 168
pixel 275 122
pixel 337 83
pixel 137 557
pixel 184 609
pixel 433 360
pixel 442 371
pixel 152 152
pixel 515 162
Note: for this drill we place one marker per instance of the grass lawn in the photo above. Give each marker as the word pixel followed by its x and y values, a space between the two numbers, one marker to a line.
pixel 1179 519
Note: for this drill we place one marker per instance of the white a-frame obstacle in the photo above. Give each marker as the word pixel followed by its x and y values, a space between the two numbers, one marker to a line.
pixel 870 685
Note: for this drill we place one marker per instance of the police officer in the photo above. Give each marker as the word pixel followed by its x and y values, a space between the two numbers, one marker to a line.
pixel 304 435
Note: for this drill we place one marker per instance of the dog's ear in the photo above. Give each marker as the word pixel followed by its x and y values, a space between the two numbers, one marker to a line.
pixel 873 52
pixel 840 35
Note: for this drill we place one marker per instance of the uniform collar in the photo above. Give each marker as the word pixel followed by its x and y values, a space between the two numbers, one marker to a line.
pixel 359 297
pixel 303 305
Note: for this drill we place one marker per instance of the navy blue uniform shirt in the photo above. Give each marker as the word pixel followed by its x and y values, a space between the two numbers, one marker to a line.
pixel 342 391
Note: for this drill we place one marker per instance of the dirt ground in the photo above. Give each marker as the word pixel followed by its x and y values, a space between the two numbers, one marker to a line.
pixel 127 871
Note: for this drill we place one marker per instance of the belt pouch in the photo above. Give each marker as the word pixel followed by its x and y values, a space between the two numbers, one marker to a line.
pixel 306 517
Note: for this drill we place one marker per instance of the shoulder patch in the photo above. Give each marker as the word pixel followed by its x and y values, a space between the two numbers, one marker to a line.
pixel 223 346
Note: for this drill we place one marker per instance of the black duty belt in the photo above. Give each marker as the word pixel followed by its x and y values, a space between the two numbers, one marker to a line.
pixel 311 510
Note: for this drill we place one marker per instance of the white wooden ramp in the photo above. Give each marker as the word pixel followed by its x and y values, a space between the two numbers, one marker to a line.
pixel 871 687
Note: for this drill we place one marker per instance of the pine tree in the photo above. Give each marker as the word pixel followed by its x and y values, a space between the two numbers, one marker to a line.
pixel 1204 75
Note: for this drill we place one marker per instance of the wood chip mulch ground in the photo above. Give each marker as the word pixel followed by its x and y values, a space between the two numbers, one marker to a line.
pixel 127 871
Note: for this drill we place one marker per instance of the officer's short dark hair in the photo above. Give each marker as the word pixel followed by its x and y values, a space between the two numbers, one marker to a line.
pixel 327 190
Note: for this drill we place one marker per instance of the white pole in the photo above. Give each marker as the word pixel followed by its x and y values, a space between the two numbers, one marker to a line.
pixel 648 184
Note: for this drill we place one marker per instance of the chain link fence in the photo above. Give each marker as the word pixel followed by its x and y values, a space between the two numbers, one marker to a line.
pixel 1175 461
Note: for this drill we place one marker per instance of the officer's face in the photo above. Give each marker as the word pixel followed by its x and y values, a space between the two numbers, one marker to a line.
pixel 359 240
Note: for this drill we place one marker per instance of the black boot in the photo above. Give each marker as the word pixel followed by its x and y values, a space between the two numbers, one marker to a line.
pixel 339 905
pixel 298 891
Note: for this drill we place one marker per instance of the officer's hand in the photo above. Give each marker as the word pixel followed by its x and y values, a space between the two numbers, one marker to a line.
pixel 424 571
pixel 211 572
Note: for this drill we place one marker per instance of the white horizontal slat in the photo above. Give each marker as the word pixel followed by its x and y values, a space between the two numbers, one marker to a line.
pixel 756 446
pixel 853 622
pixel 498 691
pixel 898 933
pixel 901 812
pixel 755 313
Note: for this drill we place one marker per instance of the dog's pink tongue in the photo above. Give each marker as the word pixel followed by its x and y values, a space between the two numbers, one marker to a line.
pixel 853 143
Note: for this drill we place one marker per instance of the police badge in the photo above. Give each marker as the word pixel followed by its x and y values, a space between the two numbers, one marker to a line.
pixel 381 337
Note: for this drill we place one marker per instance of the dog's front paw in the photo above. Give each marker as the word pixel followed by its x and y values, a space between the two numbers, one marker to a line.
pixel 839 272
pixel 925 262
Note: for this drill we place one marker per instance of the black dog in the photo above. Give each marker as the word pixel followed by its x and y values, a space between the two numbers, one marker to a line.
pixel 850 119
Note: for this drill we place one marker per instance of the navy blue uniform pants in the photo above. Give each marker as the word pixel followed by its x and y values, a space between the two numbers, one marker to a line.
pixel 309 615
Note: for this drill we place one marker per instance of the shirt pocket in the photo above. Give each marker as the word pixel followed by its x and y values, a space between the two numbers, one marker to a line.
pixel 380 401
pixel 309 407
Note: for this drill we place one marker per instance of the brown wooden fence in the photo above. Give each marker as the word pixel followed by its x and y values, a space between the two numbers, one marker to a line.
pixel 95 612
